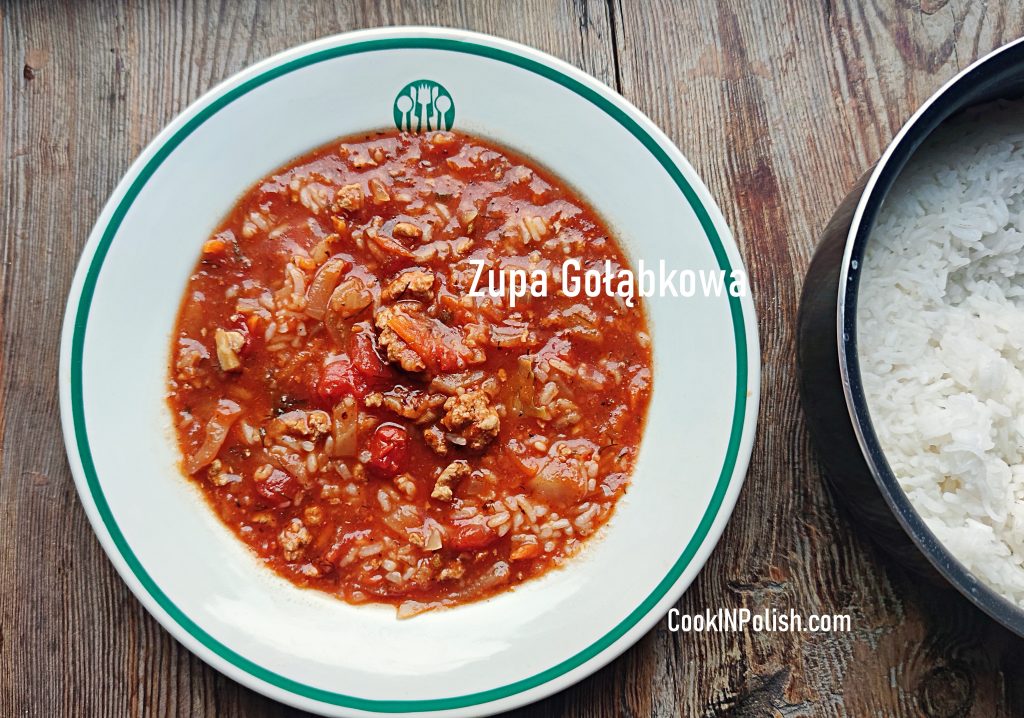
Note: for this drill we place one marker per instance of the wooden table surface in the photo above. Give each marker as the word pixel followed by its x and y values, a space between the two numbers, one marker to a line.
pixel 780 105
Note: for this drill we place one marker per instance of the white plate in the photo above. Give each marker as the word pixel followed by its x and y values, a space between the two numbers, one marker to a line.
pixel 303 647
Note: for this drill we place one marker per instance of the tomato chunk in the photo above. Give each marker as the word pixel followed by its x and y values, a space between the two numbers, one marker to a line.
pixel 279 488
pixel 367 362
pixel 470 536
pixel 338 379
pixel 358 374
pixel 389 448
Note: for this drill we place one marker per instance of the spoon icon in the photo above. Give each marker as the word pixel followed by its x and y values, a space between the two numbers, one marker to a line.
pixel 443 104
pixel 404 106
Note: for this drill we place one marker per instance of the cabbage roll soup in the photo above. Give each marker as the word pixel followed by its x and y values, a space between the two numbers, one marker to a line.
pixel 368 425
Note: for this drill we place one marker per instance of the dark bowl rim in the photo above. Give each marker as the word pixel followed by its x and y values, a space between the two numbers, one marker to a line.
pixel 928 117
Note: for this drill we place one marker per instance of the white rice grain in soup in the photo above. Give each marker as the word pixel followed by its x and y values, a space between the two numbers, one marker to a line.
pixel 941 339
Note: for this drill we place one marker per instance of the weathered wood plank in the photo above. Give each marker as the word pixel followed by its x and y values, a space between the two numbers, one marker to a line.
pixel 780 106
pixel 85 87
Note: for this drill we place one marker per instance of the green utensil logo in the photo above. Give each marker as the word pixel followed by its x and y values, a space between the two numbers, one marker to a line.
pixel 423 106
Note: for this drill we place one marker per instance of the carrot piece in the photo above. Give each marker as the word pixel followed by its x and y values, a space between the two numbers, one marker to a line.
pixel 215 247
pixel 437 344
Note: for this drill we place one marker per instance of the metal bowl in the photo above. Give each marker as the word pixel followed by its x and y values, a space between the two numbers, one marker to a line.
pixel 830 379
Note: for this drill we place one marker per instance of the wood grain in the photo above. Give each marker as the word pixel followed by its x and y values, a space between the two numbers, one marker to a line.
pixel 779 105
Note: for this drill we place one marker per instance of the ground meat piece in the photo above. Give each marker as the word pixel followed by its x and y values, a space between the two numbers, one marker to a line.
pixel 453 572
pixel 314 515
pixel 398 352
pixel 455 471
pixel 471 417
pixel 413 404
pixel 416 281
pixel 293 539
pixel 229 343
pixel 435 440
pixel 429 536
pixel 566 413
pixel 407 229
pixel 313 424
pixel 221 475
pixel 349 197
pixel 405 484
pixel 189 363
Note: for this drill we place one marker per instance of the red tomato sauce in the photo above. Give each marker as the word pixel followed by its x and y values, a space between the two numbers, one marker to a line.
pixel 367 426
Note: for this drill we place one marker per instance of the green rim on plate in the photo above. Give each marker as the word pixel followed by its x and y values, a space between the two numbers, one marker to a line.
pixel 319 694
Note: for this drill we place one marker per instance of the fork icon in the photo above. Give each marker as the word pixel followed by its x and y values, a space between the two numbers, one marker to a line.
pixel 423 100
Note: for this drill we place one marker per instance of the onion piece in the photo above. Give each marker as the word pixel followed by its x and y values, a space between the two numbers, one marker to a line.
pixel 495 576
pixel 217 427
pixel 560 481
pixel 349 298
pixel 337 328
pixel 524 393
pixel 451 383
pixel 402 518
pixel 323 286
pixel 410 608
pixel 344 427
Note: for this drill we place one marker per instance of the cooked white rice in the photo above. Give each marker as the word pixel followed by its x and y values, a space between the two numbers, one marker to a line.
pixel 941 334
